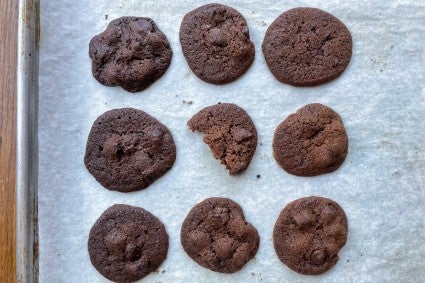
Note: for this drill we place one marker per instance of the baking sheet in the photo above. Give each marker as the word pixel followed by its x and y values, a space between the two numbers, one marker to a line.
pixel 380 97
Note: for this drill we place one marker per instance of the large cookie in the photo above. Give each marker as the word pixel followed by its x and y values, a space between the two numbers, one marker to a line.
pixel 309 233
pixel 229 132
pixel 310 142
pixel 127 243
pixel 132 53
pixel 215 41
pixel 127 150
pixel 307 47
pixel 216 235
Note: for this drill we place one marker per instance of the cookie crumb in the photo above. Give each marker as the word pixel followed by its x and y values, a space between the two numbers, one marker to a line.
pixel 106 17
pixel 258 176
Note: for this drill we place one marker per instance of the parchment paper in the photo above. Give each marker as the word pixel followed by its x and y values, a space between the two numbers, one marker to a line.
pixel 380 97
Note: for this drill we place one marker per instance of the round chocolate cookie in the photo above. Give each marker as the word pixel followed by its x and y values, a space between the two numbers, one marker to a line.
pixel 310 142
pixel 127 243
pixel 132 53
pixel 216 235
pixel 215 41
pixel 229 132
pixel 127 150
pixel 309 233
pixel 307 47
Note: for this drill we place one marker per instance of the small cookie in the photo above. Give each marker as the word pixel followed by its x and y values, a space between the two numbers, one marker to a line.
pixel 229 132
pixel 127 150
pixel 310 142
pixel 307 47
pixel 215 41
pixel 309 233
pixel 127 243
pixel 216 235
pixel 132 52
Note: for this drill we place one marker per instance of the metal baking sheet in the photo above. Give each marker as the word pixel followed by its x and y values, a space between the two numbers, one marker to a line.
pixel 380 97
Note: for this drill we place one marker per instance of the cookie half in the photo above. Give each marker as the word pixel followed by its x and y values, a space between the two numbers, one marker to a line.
pixel 132 53
pixel 229 132
pixel 216 235
pixel 216 44
pixel 309 233
pixel 311 141
pixel 127 150
pixel 127 243
pixel 307 47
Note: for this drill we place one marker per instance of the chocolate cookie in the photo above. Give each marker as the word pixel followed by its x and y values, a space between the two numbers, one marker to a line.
pixel 309 233
pixel 132 53
pixel 307 47
pixel 127 243
pixel 216 235
pixel 215 41
pixel 127 150
pixel 229 132
pixel 310 142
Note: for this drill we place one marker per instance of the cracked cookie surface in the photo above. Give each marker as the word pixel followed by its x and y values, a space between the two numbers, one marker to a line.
pixel 127 243
pixel 309 233
pixel 132 53
pixel 229 132
pixel 127 150
pixel 307 47
pixel 216 235
pixel 311 141
pixel 216 44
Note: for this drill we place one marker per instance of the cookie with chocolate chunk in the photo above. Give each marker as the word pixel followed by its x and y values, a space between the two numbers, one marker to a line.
pixel 309 233
pixel 311 141
pixel 307 47
pixel 216 44
pixel 127 243
pixel 127 150
pixel 216 235
pixel 229 132
pixel 132 53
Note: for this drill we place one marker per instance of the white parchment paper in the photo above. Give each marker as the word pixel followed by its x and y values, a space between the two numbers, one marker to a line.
pixel 380 97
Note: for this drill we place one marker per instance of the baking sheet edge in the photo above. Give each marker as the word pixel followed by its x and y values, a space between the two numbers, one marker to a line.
pixel 26 142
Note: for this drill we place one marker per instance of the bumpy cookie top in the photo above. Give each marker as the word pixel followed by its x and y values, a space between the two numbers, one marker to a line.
pixel 127 243
pixel 229 132
pixel 132 53
pixel 128 149
pixel 307 47
pixel 216 235
pixel 310 142
pixel 215 41
pixel 309 233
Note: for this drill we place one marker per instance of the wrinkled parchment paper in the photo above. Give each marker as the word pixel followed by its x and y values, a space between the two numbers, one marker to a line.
pixel 380 97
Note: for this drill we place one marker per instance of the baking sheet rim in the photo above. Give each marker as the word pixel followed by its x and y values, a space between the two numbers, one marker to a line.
pixel 26 142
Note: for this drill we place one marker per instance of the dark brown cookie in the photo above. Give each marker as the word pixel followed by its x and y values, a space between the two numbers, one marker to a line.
pixel 127 243
pixel 310 142
pixel 309 233
pixel 132 53
pixel 307 47
pixel 216 235
pixel 127 150
pixel 215 41
pixel 229 132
